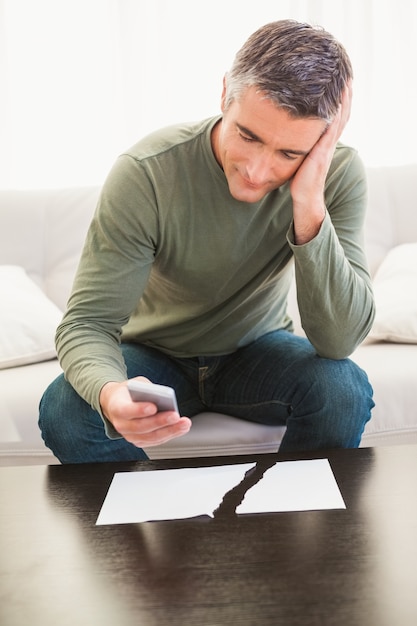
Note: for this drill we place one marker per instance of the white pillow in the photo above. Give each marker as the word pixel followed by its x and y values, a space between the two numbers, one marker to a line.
pixel 395 287
pixel 28 320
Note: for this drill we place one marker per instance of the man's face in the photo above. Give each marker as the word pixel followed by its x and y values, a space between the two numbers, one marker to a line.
pixel 259 146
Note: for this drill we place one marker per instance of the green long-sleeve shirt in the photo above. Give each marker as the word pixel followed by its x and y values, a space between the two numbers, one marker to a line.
pixel 172 260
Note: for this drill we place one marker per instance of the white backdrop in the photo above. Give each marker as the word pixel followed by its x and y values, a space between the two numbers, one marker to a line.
pixel 83 79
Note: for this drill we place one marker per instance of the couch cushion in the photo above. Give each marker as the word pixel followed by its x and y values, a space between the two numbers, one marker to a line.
pixel 21 390
pixel 391 218
pixel 67 218
pixel 392 374
pixel 395 287
pixel 28 320
pixel 44 231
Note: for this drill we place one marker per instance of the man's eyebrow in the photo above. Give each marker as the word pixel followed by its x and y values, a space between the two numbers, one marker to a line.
pixel 248 132
pixel 252 135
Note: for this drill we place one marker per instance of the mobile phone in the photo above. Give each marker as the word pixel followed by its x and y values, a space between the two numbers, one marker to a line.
pixel 161 395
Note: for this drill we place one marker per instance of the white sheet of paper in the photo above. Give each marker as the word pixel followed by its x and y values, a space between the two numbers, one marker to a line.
pixel 183 493
pixel 294 486
pixel 168 494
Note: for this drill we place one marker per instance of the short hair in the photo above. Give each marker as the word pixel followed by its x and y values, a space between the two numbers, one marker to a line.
pixel 301 68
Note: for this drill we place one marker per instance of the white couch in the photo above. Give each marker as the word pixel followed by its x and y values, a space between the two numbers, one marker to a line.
pixel 43 231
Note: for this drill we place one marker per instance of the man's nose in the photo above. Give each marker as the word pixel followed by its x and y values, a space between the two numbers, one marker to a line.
pixel 259 170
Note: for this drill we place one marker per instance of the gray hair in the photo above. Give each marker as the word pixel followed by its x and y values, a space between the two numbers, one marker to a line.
pixel 301 68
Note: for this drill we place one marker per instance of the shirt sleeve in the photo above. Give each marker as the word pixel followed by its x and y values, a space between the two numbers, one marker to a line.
pixel 334 290
pixel 112 274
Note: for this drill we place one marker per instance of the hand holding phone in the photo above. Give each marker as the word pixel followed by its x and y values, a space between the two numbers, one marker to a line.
pixel 161 395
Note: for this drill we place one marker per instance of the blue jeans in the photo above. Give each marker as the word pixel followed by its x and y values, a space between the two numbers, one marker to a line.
pixel 277 379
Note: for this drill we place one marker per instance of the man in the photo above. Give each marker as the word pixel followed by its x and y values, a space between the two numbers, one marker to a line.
pixel 184 277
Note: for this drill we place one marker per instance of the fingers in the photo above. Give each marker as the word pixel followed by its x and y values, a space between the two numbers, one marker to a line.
pixel 152 429
pixel 140 423
pixel 159 435
pixel 323 151
pixel 307 185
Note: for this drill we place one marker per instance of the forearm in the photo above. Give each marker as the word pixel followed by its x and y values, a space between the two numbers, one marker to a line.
pixel 334 294
pixel 89 359
pixel 307 225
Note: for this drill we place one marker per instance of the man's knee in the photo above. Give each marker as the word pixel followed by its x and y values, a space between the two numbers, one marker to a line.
pixel 49 403
pixel 337 393
pixel 62 412
pixel 341 378
pixel 59 399
pixel 75 432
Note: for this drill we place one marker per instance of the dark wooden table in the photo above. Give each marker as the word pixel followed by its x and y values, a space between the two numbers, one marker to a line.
pixel 353 567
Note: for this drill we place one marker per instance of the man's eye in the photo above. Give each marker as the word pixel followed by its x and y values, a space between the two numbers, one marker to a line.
pixel 245 137
pixel 289 156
